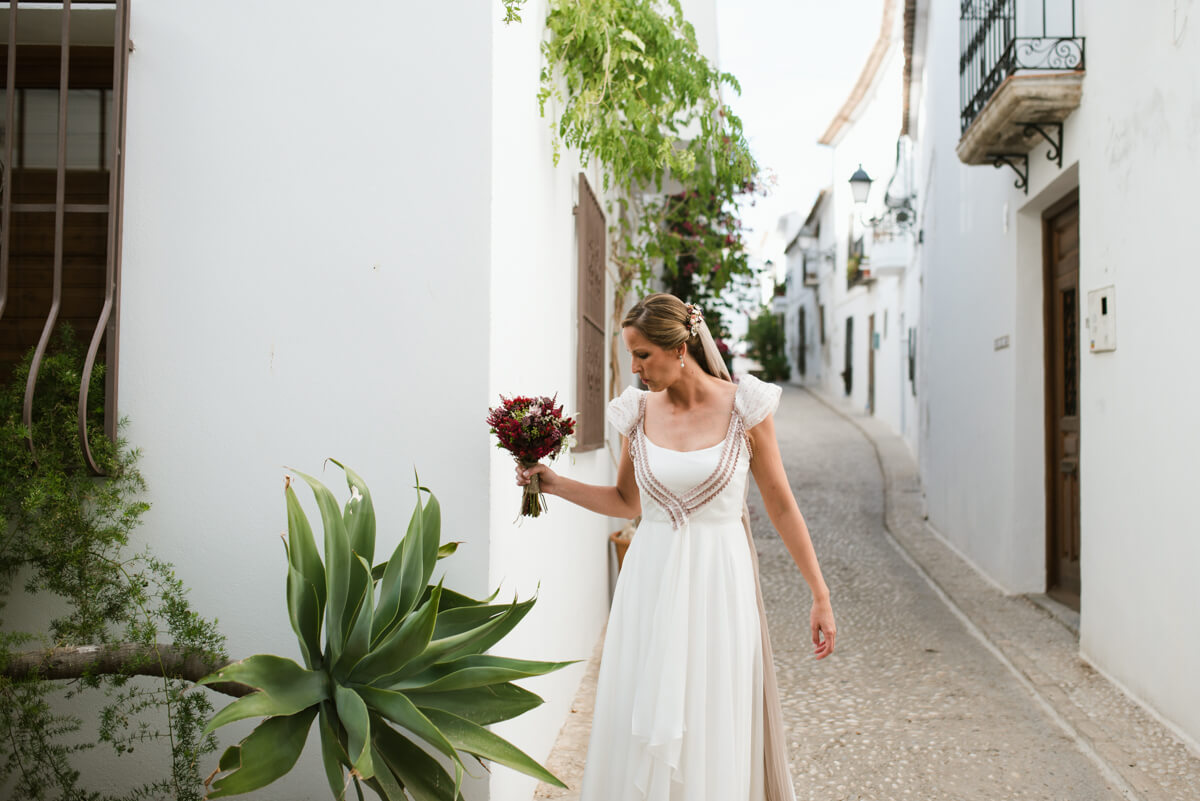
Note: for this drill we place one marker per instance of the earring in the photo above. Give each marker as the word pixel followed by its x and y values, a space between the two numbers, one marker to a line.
pixel 681 362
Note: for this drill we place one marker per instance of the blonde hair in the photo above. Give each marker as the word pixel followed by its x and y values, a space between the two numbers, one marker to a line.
pixel 663 319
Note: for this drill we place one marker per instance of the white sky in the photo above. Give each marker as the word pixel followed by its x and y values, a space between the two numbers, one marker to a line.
pixel 796 60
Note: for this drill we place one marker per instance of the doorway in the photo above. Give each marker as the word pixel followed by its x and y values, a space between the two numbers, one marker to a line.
pixel 871 364
pixel 848 370
pixel 1060 228
pixel 801 357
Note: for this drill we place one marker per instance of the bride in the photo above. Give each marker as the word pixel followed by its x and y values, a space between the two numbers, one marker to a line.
pixel 686 704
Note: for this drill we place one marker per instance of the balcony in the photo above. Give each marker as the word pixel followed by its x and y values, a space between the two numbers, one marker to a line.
pixel 891 249
pixel 1021 70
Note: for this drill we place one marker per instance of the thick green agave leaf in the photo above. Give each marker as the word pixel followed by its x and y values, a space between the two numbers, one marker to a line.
pixel 475 640
pixel 333 755
pixel 421 775
pixel 484 705
pixel 359 515
pixel 464 618
pixel 475 670
pixel 267 753
pixel 401 711
pixel 353 713
pixel 337 566
pixel 384 783
pixel 477 740
pixel 408 571
pixel 358 637
pixel 453 600
pixel 304 612
pixel 284 688
pixel 302 549
pixel 401 646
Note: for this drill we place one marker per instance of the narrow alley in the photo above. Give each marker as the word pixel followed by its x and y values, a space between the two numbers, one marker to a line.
pixel 941 687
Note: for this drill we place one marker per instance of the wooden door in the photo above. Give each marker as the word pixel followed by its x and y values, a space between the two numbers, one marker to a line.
pixel 871 364
pixel 801 360
pixel 1061 239
pixel 848 371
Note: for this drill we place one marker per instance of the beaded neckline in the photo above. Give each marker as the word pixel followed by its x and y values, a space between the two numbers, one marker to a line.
pixel 681 506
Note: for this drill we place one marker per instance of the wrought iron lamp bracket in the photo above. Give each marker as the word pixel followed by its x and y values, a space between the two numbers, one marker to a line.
pixel 1013 160
pixel 1055 152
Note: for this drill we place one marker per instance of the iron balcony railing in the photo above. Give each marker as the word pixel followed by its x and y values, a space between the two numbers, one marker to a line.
pixel 999 38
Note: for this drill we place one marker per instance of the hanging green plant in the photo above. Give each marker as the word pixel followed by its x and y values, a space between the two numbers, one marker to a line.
pixel 629 87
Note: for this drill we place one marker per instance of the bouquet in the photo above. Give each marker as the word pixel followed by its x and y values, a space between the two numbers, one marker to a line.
pixel 531 429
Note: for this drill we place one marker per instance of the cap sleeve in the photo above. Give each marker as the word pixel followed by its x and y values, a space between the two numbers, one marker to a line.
pixel 623 410
pixel 756 399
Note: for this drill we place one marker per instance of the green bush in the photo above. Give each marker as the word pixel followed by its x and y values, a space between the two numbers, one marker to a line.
pixel 768 345
pixel 66 536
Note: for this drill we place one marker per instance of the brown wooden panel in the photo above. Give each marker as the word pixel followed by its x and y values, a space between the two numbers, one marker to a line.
pixel 90 67
pixel 591 259
pixel 1063 442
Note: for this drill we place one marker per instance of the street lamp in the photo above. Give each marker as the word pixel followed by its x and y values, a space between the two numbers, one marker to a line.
pixel 860 185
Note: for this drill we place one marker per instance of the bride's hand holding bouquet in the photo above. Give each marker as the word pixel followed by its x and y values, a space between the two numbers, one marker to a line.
pixel 532 429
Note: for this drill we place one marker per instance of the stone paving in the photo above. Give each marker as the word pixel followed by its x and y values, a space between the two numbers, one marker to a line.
pixel 941 687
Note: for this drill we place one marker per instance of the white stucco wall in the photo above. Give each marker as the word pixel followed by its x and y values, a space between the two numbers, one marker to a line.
pixel 306 274
pixel 1137 136
pixel 966 396
pixel 982 456
pixel 562 556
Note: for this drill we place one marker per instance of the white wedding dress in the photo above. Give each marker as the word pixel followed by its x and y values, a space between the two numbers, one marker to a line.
pixel 679 712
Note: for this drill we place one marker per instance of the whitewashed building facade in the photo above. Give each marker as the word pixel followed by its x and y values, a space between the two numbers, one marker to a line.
pixel 1048 187
pixel 343 236
pixel 1057 439
pixel 852 302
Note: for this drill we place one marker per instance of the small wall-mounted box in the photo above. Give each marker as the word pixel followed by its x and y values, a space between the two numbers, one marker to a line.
pixel 1102 319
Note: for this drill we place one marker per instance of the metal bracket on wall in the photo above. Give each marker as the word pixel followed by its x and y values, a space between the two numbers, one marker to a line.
pixel 1055 152
pixel 1012 160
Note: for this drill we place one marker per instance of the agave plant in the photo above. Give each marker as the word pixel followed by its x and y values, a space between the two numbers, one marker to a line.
pixel 398 652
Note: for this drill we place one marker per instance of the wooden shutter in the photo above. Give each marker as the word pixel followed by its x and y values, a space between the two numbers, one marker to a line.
pixel 590 234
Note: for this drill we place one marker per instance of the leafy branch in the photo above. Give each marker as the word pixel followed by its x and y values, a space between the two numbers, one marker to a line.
pixel 627 85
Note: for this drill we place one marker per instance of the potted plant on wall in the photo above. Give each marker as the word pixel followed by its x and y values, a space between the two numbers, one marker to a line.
pixel 622 538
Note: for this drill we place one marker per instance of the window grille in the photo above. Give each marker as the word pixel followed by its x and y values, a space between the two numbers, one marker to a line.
pixel 590 234
pixel 60 214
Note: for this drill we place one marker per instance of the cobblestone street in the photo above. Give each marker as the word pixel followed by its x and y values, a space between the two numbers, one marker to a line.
pixel 911 705
pixel 941 686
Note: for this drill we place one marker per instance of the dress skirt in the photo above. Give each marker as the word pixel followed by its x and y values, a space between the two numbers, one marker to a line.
pixel 681 671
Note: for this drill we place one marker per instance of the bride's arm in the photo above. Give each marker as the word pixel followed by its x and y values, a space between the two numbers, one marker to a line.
pixel 780 503
pixel 623 500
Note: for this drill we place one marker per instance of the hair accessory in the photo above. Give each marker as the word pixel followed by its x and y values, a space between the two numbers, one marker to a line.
pixel 695 319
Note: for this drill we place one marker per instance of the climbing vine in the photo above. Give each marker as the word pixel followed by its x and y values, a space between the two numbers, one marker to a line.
pixel 64 545
pixel 626 84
